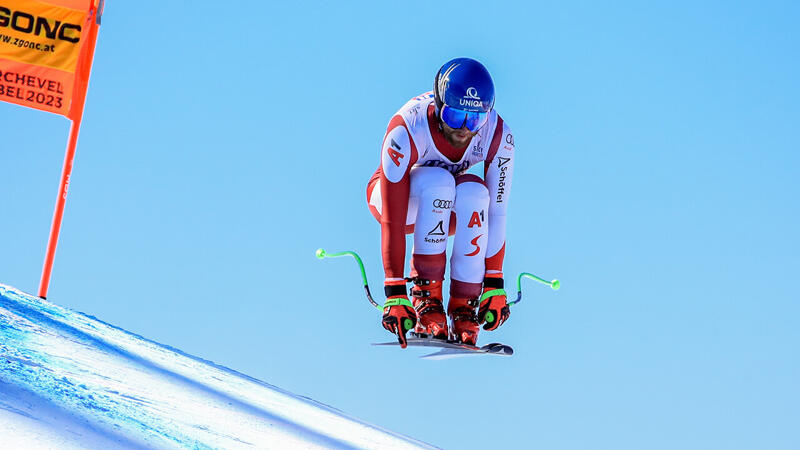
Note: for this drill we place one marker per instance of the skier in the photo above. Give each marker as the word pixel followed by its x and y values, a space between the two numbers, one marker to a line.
pixel 421 187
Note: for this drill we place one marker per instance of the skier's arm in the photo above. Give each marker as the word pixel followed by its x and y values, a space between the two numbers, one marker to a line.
pixel 398 155
pixel 498 171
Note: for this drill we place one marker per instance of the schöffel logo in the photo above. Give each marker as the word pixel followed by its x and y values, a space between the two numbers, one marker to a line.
pixel 501 182
pixel 438 230
pixel 442 204
pixel 38 26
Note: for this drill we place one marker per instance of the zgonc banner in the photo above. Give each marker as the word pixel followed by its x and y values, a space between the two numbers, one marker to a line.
pixel 46 52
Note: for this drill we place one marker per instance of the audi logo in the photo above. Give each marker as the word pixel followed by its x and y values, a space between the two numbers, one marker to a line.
pixel 443 204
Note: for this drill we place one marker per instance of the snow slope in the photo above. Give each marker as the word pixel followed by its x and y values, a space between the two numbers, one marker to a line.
pixel 68 380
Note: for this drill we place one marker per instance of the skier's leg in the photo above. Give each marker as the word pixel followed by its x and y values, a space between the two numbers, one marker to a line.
pixel 433 190
pixel 467 263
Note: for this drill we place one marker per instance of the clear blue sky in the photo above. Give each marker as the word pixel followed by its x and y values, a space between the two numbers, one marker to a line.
pixel 658 156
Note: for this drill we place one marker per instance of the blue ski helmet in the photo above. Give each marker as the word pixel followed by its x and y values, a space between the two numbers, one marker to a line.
pixel 464 84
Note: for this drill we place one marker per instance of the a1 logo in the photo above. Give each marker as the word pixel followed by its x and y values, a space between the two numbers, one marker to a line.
pixel 477 219
pixel 394 154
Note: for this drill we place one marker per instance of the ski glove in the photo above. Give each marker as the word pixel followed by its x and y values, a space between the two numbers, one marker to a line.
pixel 493 308
pixel 398 313
pixel 399 317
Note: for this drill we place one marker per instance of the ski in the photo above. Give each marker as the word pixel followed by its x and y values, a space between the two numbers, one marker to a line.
pixel 452 349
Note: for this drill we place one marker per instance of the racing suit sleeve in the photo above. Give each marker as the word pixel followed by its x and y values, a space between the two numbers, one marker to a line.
pixel 498 170
pixel 398 155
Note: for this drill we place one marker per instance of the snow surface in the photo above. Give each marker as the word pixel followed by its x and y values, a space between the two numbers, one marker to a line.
pixel 69 380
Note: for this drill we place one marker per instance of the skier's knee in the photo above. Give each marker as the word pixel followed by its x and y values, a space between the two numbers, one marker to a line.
pixel 434 182
pixel 434 177
pixel 471 192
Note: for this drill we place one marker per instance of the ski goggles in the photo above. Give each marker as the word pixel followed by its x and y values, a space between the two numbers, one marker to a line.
pixel 457 118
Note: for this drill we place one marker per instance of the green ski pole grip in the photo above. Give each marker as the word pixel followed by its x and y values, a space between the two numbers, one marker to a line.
pixel 554 284
pixel 322 254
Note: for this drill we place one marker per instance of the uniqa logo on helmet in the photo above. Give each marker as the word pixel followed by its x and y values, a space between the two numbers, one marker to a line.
pixel 471 98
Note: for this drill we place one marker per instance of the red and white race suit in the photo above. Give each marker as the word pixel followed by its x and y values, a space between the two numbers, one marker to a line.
pixel 422 187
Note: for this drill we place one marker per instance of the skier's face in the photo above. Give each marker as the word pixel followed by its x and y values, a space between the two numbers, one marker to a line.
pixel 459 137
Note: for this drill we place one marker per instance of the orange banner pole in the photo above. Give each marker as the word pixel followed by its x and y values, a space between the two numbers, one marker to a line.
pixel 58 214
pixel 76 114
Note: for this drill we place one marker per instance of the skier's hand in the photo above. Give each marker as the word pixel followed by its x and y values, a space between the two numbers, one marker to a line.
pixel 493 308
pixel 399 317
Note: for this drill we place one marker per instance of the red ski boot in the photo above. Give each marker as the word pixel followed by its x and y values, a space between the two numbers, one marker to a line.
pixel 427 297
pixel 464 324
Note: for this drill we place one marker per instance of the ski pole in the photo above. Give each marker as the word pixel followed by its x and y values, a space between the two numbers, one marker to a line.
pixel 322 254
pixel 555 285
